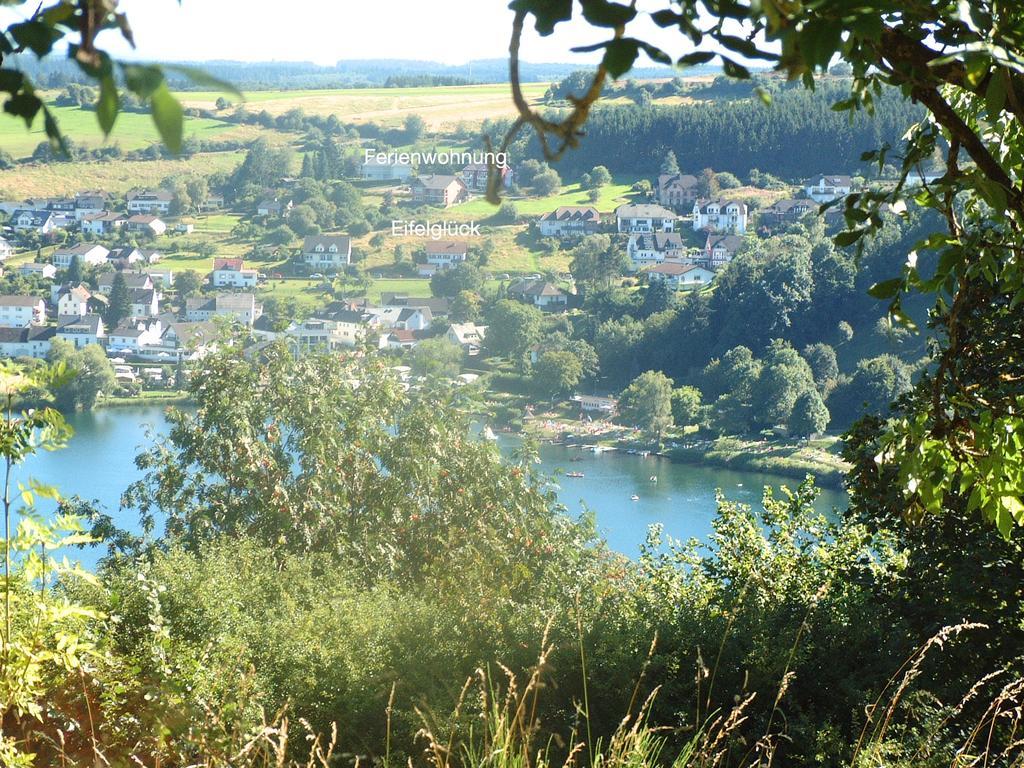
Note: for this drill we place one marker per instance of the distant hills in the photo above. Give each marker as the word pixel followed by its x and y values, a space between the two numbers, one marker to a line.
pixel 354 73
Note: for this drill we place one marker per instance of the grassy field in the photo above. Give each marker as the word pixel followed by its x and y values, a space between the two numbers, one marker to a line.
pixel 113 175
pixel 131 131
pixel 612 196
pixel 438 106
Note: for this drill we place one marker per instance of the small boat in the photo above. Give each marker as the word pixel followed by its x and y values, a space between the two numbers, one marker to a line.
pixel 574 474
pixel 488 434
pixel 634 497
pixel 654 478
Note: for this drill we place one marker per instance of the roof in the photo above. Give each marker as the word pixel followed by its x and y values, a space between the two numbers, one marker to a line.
pixel 141 295
pixel 90 323
pixel 38 217
pixel 585 213
pixel 446 246
pixel 438 305
pixel 131 279
pixel 402 335
pixel 151 194
pixel 684 180
pixel 437 181
pixel 229 265
pixel 536 288
pixel 79 292
pixel 730 243
pixel 34 266
pixel 784 205
pixel 468 332
pixel 838 180
pixel 128 331
pixel 22 335
pixel 337 312
pixel 19 301
pixel 674 270
pixel 343 242
pixel 658 241
pixel 81 249
pixel 105 216
pixel 643 211
pixel 703 205
pixel 142 218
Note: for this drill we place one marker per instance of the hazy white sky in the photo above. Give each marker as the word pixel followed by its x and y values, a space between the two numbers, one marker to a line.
pixel 324 31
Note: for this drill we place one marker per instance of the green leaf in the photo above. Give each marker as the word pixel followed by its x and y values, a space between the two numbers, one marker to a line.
pixel 602 13
pixel 620 54
pixel 36 36
pixel 107 105
pixel 886 289
pixel 547 13
pixel 695 58
pixel 843 239
pixel 168 116
pixel 995 94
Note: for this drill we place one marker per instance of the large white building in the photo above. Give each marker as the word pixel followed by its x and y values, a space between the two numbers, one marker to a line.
pixel 231 273
pixel 720 216
pixel 825 189
pixel 88 254
pixel 331 252
pixel 21 311
pixel 646 217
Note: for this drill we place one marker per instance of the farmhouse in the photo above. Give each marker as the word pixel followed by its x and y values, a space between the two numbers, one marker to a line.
pixel 327 251
pixel 720 216
pixel 87 253
pixel 719 249
pixel 644 218
pixel 825 189
pixel 647 249
pixel 438 190
pixel 231 273
pixel 150 201
pixel 444 254
pixel 21 311
pixel 677 190
pixel 570 221
pixel 681 276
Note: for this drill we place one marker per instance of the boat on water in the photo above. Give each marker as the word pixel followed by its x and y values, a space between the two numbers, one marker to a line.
pixel 488 434
pixel 634 497
pixel 654 478
pixel 574 474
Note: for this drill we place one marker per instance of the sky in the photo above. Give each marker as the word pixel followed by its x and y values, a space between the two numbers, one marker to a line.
pixel 325 31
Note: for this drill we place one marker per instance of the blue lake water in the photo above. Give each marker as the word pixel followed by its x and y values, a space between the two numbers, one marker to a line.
pixel 98 464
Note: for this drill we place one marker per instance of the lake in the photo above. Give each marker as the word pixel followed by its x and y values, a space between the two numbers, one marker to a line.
pixel 98 464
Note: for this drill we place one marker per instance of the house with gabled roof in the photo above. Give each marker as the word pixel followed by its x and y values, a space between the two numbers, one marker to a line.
pixel 145 223
pixel 102 223
pixel 150 201
pixel 41 222
pixel 231 273
pixel 787 210
pixel 32 341
pixel 720 215
pixel 240 306
pixel 88 254
pixel 825 188
pixel 648 248
pixel 81 330
pixel 540 293
pixel 719 249
pixel 21 311
pixel 678 190
pixel 445 254
pixel 439 190
pixel 681 276
pixel 645 217
pixel 45 271
pixel 469 336
pixel 331 252
pixel 570 221
pixel 132 280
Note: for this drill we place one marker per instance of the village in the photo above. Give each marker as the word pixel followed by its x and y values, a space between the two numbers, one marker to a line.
pixel 103 281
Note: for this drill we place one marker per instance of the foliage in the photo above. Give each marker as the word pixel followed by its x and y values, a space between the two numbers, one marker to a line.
pixel 91 375
pixel 647 403
pixel 557 373
pixel 512 327
pixel 436 357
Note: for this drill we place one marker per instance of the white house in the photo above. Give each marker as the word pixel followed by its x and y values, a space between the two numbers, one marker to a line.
pixel 398 339
pixel 678 191
pixel 33 341
pixel 332 328
pixel 825 189
pixel 596 403
pixel 42 222
pixel 240 306
pixel 90 203
pixel 376 171
pixel 644 217
pixel 126 255
pixel 73 301
pixel 21 311
pixel 231 273
pixel 681 276
pixel 132 280
pixel 102 223
pixel 273 207
pixel 327 251
pixel 81 330
pixel 6 249
pixel 88 254
pixel 720 216
pixel 150 201
pixel 469 336
pixel 133 338
pixel 540 293
pixel 650 248
pixel 570 221
pixel 144 222
pixel 719 249
pixel 402 318
pixel 143 302
pixel 444 254
pixel 45 271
